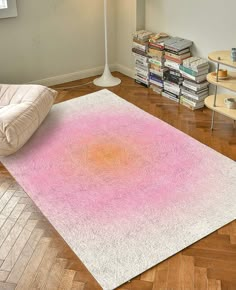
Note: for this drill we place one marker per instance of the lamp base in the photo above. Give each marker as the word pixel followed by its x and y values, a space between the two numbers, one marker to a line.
pixel 106 80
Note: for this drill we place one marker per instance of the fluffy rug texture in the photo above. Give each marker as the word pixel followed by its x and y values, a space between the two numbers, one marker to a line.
pixel 124 189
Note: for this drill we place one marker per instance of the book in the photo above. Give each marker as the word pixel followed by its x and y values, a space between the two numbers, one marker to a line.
pixel 197 93
pixel 143 66
pixel 141 46
pixel 156 88
pixel 195 86
pixel 172 65
pixel 177 43
pixel 157 46
pixel 191 101
pixel 172 87
pixel 156 82
pixel 179 61
pixel 141 72
pixel 197 79
pixel 158 40
pixel 192 72
pixel 138 51
pixel 156 61
pixel 170 96
pixel 180 52
pixel 143 58
pixel 195 63
pixel 155 77
pixel 157 67
pixel 174 73
pixel 142 77
pixel 193 96
pixel 156 72
pixel 190 106
pixel 141 83
pixel 174 79
pixel 142 35
pixel 154 52
pixel 176 56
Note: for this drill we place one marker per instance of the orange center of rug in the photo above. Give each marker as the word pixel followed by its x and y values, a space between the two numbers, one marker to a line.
pixel 108 156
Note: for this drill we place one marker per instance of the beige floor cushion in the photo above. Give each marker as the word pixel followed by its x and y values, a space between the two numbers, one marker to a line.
pixel 22 110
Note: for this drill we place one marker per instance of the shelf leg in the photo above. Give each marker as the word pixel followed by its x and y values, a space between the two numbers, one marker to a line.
pixel 212 120
pixel 214 104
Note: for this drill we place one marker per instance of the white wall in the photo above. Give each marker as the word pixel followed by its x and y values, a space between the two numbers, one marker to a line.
pixel 52 38
pixel 125 26
pixel 130 16
pixel 209 23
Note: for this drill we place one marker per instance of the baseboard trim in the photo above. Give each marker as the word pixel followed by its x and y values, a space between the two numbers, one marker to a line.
pixel 82 74
pixel 125 70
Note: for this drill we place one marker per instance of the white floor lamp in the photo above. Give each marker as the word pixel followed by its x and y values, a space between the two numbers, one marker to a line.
pixel 106 80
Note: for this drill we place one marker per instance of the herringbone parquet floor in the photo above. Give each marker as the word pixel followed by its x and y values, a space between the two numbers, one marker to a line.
pixel 34 256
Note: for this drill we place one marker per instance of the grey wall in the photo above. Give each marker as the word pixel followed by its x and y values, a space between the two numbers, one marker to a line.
pixel 210 24
pixel 53 37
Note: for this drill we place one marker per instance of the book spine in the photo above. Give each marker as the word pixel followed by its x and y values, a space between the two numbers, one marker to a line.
pixel 155 82
pixel 156 45
pixel 179 61
pixel 158 73
pixel 193 96
pixel 171 89
pixel 172 65
pixel 155 52
pixel 141 83
pixel 197 79
pixel 194 86
pixel 170 96
pixel 187 105
pixel 180 57
pixel 187 70
pixel 174 79
pixel 140 46
pixel 156 61
pixel 138 51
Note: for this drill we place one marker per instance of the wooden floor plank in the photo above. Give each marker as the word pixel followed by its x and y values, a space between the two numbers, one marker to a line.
pixel 10 222
pixel 55 274
pixel 77 285
pixel 5 198
pixel 17 248
pixel 10 206
pixel 3 188
pixel 67 280
pixel 3 275
pixel 200 279
pixel 44 269
pixel 26 254
pixel 214 284
pixel 149 276
pixel 13 235
pixel 34 262
pixel 7 286
pixel 187 273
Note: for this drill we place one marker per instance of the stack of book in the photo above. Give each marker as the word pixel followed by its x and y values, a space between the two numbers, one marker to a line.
pixel 140 51
pixel 195 86
pixel 176 51
pixel 156 53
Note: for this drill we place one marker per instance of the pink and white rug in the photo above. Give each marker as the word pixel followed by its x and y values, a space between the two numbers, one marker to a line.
pixel 124 189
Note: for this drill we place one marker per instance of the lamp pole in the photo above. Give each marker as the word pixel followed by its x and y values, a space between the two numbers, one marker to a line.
pixel 106 80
